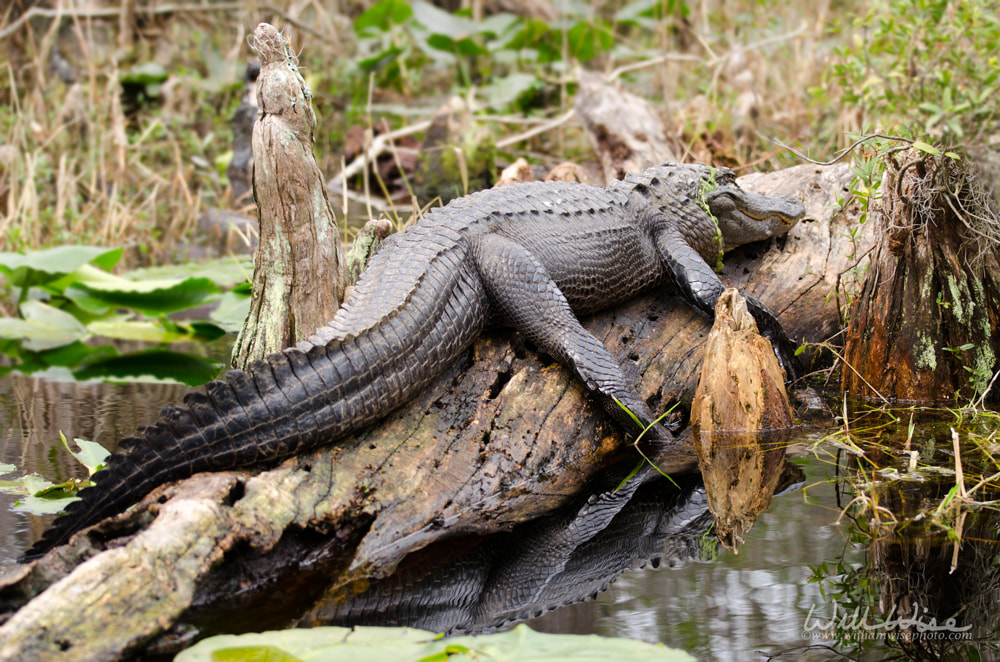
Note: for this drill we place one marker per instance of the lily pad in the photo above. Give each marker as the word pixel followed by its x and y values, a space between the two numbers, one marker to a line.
pixel 150 365
pixel 224 272
pixel 43 327
pixel 37 495
pixel 90 455
pixel 232 311
pixel 372 644
pixel 39 267
pixel 150 298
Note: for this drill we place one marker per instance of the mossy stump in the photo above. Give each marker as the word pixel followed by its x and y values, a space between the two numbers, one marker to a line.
pixel 924 327
pixel 298 278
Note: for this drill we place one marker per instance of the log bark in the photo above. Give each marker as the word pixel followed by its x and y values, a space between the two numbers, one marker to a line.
pixel 504 436
pixel 740 416
pixel 925 324
pixel 299 279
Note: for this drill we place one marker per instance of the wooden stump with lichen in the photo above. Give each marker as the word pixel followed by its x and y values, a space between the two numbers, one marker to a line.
pixel 925 324
pixel 298 280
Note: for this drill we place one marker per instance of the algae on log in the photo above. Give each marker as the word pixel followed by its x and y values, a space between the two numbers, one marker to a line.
pixel 298 280
pixel 924 326
pixel 503 436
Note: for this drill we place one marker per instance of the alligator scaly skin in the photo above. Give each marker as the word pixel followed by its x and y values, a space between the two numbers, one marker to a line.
pixel 531 256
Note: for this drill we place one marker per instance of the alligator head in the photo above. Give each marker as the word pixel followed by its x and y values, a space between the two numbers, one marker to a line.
pixel 710 209
pixel 745 217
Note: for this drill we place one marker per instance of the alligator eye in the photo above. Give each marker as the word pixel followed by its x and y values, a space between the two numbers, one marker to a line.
pixel 721 203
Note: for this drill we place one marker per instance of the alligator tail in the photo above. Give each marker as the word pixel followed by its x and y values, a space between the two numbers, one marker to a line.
pixel 292 401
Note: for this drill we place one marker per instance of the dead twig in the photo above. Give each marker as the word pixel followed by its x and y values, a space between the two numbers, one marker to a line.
pixel 114 12
pixel 548 126
pixel 844 152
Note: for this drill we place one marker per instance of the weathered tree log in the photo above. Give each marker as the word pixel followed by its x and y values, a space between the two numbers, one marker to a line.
pixel 624 130
pixel 298 280
pixel 925 324
pixel 502 437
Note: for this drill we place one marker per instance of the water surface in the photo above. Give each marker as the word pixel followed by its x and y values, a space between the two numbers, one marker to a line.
pixel 797 560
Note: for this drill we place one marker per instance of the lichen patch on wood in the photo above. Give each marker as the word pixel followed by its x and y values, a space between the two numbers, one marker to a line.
pixel 299 267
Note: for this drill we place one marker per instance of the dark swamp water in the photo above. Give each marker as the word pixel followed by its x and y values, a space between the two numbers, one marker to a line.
pixel 877 584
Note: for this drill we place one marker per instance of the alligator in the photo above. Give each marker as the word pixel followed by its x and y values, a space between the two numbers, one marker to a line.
pixel 530 256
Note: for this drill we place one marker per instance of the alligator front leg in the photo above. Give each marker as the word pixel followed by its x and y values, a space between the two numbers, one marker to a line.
pixel 701 287
pixel 525 297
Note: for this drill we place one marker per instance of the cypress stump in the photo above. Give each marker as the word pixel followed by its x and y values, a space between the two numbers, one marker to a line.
pixel 924 326
pixel 299 273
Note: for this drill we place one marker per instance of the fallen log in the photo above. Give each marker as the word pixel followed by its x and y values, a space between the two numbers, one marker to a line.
pixel 502 437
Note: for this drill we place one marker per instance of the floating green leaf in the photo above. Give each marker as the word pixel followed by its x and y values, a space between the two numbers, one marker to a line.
pixel 410 645
pixel 38 496
pixel 43 327
pixel 254 654
pixel 39 267
pixel 151 298
pixel 224 272
pixel 232 310
pixel 90 455
pixel 161 331
pixel 158 364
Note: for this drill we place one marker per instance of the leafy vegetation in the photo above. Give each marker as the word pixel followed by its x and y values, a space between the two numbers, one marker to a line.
pixel 918 74
pixel 67 297
pixel 923 69
pixel 38 496
pixel 404 644
pixel 127 146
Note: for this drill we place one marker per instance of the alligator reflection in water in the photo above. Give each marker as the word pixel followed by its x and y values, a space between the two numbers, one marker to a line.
pixel 562 559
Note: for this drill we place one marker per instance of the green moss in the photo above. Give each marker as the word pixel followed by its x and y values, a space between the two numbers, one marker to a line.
pixel 707 186
pixel 924 354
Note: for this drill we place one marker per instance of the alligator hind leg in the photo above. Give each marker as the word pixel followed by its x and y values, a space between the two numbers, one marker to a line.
pixel 524 296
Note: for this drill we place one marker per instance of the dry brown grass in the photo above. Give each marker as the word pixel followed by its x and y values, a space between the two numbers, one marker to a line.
pixel 77 166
